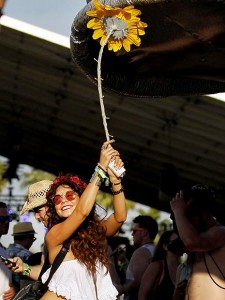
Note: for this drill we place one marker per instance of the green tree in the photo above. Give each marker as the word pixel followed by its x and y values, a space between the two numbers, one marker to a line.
pixel 3 182
pixel 34 175
pixel 105 200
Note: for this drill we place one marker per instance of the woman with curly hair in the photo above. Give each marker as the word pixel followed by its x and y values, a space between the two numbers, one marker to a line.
pixel 72 217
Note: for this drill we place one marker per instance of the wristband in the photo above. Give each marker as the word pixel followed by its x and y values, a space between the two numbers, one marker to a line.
pixel 26 270
pixel 117 192
pixel 101 167
pixel 101 176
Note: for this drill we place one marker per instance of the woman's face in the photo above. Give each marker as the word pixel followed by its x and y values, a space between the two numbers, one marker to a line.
pixel 65 200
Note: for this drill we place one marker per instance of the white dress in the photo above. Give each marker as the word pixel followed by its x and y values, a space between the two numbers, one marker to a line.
pixel 72 281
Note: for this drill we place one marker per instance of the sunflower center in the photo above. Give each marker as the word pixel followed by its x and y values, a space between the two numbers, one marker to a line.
pixel 119 26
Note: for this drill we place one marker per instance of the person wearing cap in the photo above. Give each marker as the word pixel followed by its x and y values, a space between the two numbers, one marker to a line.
pixel 204 242
pixel 7 291
pixel 23 234
pixel 36 202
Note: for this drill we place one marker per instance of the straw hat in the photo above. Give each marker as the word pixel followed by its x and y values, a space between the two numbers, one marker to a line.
pixel 181 53
pixel 23 228
pixel 36 195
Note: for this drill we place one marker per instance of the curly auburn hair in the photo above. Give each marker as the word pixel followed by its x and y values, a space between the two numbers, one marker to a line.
pixel 88 243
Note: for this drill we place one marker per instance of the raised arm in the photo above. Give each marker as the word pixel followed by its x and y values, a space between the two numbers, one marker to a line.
pixel 62 231
pixel 210 239
pixel 116 219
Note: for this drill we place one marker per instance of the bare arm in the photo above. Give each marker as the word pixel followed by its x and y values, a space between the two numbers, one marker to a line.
pixel 211 239
pixel 116 219
pixel 148 280
pixel 62 231
pixel 138 264
pixel 9 294
pixel 20 267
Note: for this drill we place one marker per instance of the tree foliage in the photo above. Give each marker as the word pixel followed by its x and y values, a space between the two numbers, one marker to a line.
pixel 3 182
pixel 34 175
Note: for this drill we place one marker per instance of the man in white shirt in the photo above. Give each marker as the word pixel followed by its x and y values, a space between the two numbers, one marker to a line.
pixel 145 229
pixel 6 289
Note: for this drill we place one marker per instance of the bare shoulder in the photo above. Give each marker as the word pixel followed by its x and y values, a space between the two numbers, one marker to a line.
pixel 154 266
pixel 141 256
pixel 214 237
pixel 216 230
pixel 142 251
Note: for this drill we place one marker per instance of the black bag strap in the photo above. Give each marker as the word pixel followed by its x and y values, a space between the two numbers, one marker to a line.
pixel 56 263
pixel 207 268
pixel 45 266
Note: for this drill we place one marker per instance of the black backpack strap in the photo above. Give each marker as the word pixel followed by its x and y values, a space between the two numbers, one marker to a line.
pixel 56 263
pixel 45 266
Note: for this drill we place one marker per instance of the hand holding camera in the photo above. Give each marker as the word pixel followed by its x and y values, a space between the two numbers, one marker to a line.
pixel 115 164
pixel 7 262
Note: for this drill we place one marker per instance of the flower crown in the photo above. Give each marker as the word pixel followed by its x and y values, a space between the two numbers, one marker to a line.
pixel 74 179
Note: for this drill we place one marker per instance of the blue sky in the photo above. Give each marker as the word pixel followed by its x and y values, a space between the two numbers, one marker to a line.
pixel 53 15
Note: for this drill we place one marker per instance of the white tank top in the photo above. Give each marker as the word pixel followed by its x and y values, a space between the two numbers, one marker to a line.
pixel 73 282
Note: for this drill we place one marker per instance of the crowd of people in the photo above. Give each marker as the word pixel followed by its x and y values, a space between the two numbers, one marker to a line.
pixel 186 262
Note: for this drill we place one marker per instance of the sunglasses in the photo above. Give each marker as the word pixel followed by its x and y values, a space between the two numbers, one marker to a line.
pixel 137 229
pixel 3 219
pixel 69 195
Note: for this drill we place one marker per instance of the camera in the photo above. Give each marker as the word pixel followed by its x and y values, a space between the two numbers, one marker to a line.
pixel 118 172
pixel 7 261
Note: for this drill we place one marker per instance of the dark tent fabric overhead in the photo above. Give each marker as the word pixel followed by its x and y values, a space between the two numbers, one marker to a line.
pixel 181 53
pixel 50 119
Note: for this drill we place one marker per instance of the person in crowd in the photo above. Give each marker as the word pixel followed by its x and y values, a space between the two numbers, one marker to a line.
pixel 112 267
pixel 182 277
pixel 121 253
pixel 159 278
pixel 23 234
pixel 73 219
pixel 145 229
pixel 121 261
pixel 7 291
pixel 204 241
pixel 36 202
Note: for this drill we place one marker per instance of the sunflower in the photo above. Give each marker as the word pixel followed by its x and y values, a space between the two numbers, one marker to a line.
pixel 121 26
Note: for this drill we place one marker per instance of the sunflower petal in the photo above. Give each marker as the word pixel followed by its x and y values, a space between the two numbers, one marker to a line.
pixel 129 25
pixel 126 45
pixel 97 34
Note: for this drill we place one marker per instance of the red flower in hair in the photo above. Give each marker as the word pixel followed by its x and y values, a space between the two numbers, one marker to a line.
pixel 74 179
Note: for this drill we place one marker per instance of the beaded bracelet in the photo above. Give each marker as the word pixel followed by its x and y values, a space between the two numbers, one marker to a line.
pixel 26 270
pixel 117 192
pixel 101 176
pixel 116 183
